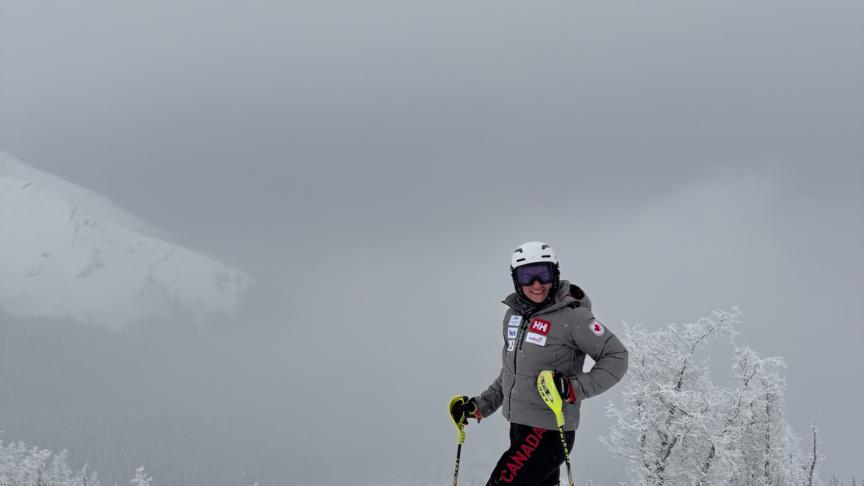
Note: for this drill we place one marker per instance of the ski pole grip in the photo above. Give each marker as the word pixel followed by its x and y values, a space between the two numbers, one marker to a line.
pixel 549 393
pixel 459 426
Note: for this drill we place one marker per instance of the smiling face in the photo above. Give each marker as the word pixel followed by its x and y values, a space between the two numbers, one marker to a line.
pixel 536 292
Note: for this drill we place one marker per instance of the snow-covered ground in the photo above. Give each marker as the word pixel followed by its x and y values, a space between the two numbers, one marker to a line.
pixel 69 252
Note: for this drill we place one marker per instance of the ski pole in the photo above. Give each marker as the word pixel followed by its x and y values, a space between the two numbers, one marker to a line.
pixel 549 392
pixel 460 427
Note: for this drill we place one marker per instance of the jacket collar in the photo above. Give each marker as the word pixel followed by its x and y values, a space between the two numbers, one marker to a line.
pixel 568 295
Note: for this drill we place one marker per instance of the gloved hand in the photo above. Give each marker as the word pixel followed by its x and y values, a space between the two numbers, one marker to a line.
pixel 564 387
pixel 462 410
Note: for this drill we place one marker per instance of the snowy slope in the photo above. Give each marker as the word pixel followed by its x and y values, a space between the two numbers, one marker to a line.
pixel 68 252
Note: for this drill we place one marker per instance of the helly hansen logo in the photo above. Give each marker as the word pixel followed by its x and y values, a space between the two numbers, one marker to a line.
pixel 540 326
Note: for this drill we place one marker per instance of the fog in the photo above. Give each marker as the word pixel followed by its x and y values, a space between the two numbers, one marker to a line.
pixel 372 165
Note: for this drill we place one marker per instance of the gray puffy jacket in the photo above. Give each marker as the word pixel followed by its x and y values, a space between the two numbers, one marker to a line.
pixel 556 337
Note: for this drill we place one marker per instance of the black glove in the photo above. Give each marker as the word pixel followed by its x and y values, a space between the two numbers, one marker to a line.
pixel 462 410
pixel 564 387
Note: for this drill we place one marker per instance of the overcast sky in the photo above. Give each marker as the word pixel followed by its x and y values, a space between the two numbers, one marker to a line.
pixel 373 163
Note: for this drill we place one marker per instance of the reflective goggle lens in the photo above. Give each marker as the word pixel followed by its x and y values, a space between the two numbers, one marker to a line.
pixel 543 272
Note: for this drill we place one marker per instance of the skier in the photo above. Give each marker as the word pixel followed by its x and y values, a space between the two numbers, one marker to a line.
pixel 548 326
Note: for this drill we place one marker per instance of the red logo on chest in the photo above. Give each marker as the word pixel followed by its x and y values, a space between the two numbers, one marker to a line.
pixel 539 326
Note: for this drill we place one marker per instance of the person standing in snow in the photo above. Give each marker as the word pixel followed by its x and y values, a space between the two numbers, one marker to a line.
pixel 548 326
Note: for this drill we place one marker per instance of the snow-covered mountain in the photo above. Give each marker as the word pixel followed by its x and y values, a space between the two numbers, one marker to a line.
pixel 66 251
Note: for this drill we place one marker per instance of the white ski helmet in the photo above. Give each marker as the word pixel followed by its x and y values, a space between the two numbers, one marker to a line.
pixel 533 252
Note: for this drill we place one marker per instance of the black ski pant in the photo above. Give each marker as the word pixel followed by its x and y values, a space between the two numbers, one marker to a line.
pixel 533 459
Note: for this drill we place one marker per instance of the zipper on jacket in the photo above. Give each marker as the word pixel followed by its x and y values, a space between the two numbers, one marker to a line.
pixel 522 338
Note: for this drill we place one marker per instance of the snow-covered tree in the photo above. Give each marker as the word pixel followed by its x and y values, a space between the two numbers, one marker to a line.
pixel 22 465
pixel 836 481
pixel 676 426
pixel 671 411
pixel 141 478
pixel 812 470
pixel 770 452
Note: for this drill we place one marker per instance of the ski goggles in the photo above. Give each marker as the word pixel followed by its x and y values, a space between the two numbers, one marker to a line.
pixel 527 274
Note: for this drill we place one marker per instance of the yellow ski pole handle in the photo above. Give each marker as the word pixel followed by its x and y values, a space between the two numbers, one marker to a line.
pixel 461 429
pixel 549 393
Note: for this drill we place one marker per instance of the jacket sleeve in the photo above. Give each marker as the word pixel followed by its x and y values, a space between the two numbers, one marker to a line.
pixel 490 400
pixel 609 354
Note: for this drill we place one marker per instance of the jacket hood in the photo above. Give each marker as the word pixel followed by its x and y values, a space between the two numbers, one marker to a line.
pixel 568 295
